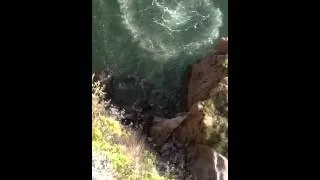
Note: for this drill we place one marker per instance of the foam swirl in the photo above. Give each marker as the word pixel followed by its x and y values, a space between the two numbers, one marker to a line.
pixel 167 28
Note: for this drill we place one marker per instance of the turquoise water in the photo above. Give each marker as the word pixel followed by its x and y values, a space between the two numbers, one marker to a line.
pixel 155 39
pixel 143 33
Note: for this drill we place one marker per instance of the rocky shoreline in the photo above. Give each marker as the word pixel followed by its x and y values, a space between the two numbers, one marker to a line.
pixel 193 138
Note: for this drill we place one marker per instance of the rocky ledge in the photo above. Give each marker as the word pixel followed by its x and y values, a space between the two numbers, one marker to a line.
pixel 193 144
pixel 196 142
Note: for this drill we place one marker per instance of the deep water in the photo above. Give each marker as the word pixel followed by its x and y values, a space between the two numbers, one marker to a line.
pixel 149 44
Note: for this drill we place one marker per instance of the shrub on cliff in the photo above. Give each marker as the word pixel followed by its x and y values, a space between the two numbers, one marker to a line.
pixel 123 150
pixel 216 110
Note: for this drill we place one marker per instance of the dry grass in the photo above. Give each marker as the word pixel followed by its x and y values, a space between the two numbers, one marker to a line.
pixel 124 148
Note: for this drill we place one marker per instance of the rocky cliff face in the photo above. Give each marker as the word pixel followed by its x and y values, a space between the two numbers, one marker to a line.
pixel 205 77
pixel 193 142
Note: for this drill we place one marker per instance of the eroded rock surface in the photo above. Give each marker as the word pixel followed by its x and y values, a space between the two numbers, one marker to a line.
pixel 162 128
pixel 207 74
pixel 192 145
pixel 206 164
pixel 190 142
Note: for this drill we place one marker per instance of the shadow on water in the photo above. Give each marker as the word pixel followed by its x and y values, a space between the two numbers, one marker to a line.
pixel 134 93
pixel 138 82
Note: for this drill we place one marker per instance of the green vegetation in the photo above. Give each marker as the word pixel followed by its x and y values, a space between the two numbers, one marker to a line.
pixel 216 111
pixel 217 136
pixel 124 151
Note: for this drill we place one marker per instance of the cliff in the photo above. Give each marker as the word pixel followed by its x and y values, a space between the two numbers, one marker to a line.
pixel 196 140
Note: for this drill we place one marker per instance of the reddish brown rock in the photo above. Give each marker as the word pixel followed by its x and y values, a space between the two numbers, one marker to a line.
pixel 206 75
pixel 222 47
pixel 162 128
pixel 189 132
pixel 207 164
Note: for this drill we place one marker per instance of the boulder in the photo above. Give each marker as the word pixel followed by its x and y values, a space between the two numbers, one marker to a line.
pixel 162 128
pixel 191 130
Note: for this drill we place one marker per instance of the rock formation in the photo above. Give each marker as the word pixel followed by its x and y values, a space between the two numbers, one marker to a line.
pixel 195 143
pixel 162 128
pixel 207 164
pixel 189 142
pixel 206 75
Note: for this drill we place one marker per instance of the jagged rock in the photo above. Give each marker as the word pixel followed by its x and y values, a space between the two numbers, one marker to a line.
pixel 190 131
pixel 206 75
pixel 222 47
pixel 216 118
pixel 207 164
pixel 166 147
pixel 184 129
pixel 162 128
pixel 204 123
pixel 220 97
pixel 191 140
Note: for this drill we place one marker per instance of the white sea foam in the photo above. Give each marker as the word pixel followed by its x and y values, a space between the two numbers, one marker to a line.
pixel 166 28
